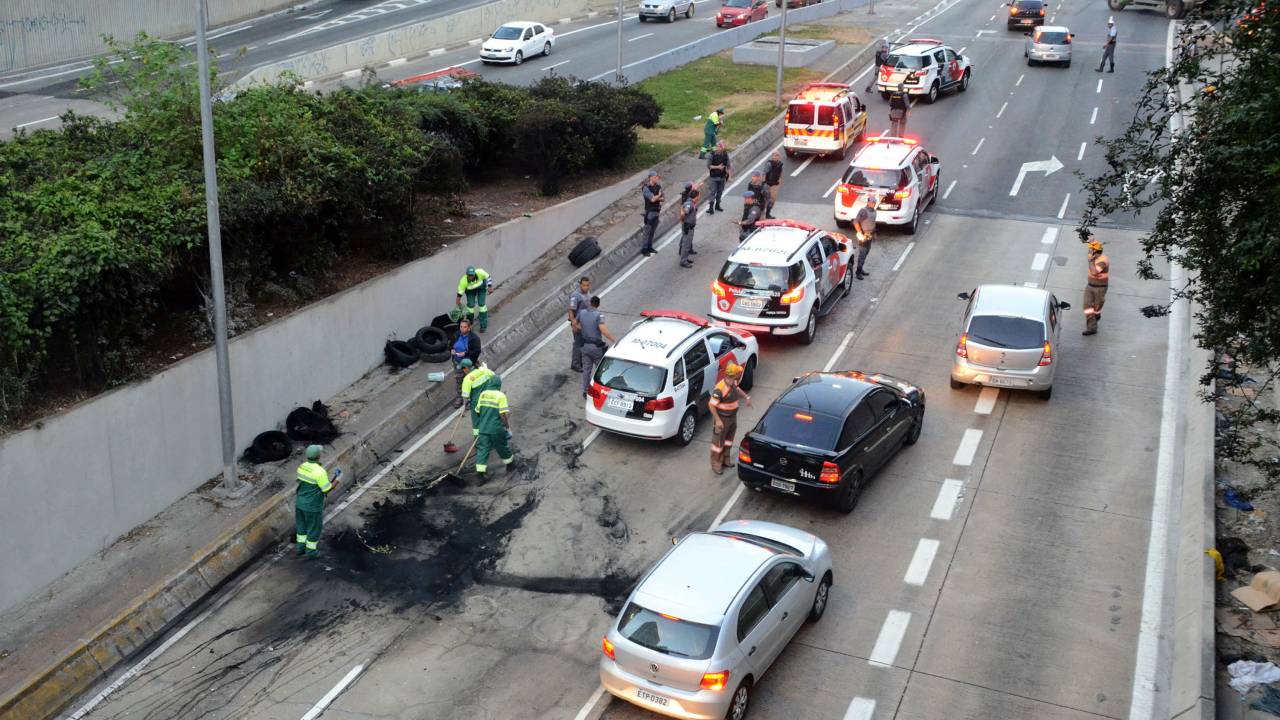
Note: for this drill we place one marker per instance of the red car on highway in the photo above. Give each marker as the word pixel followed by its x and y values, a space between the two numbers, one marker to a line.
pixel 740 12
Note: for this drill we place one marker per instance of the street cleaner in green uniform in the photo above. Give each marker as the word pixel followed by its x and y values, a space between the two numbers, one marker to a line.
pixel 494 430
pixel 308 513
pixel 475 383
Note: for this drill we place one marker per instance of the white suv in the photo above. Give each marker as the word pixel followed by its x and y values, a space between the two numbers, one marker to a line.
pixel 899 173
pixel 926 67
pixel 656 380
pixel 783 277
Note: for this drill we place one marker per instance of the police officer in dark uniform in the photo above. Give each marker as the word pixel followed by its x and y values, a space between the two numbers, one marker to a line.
pixel 750 214
pixel 882 57
pixel 899 106
pixel 688 220
pixel 756 187
pixel 652 192
pixel 772 182
pixel 718 171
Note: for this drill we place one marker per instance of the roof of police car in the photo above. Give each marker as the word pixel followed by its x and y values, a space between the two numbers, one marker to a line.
pixel 652 339
pixel 883 154
pixel 770 246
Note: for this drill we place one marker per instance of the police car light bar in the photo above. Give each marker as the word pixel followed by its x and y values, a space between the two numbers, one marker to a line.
pixel 786 223
pixel 924 41
pixel 676 315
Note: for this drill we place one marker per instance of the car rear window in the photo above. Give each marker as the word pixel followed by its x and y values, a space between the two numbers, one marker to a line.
pixel 869 177
pixel 1052 38
pixel 761 277
pixel 1006 332
pixel 631 376
pixel 667 634
pixel 906 62
pixel 800 113
pixel 792 426
pixel 1027 4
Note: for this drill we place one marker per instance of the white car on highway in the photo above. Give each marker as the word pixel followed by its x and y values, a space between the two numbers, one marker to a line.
pixel 899 173
pixel 656 380
pixel 516 42
pixel 665 9
pixel 924 66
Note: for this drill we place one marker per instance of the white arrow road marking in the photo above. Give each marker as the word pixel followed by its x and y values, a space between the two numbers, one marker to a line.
pixel 314 16
pixel 1048 167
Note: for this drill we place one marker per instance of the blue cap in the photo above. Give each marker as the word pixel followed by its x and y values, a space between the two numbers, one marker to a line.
pixel 748 194
pixel 653 173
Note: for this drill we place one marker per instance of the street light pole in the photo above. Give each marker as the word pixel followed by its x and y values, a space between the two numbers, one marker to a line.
pixel 231 484
pixel 782 54
pixel 618 75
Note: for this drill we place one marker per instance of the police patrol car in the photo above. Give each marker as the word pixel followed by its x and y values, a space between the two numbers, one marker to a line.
pixel 782 278
pixel 656 380
pixel 899 173
pixel 824 118
pixel 925 67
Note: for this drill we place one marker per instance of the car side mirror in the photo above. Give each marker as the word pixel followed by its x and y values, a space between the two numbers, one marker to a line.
pixel 933 159
pixel 795 379
pixel 808 576
pixel 1064 306
pixel 844 247
pixel 963 295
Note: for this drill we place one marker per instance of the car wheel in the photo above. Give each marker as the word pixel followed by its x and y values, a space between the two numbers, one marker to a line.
pixel 671 15
pixel 1046 393
pixel 956 384
pixel 1030 62
pixel 640 18
pixel 748 375
pixel 964 81
pixel 810 328
pixel 914 225
pixel 519 57
pixel 820 599
pixel 546 49
pixel 844 150
pixel 884 95
pixel 847 499
pixel 1115 4
pixel 848 281
pixel 843 223
pixel 1066 64
pixel 913 433
pixel 689 12
pixel 688 427
pixel 738 705
pixel 932 97
pixel 791 153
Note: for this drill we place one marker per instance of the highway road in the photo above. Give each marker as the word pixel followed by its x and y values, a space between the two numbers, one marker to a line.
pixel 997 569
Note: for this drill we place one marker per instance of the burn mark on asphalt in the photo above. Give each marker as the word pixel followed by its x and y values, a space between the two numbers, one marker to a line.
pixel 610 518
pixel 613 587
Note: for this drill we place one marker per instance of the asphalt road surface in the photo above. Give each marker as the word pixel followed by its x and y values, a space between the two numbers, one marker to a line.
pixel 1025 522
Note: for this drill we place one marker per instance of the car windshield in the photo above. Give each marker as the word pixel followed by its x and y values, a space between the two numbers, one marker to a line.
pixel 756 277
pixel 870 177
pixel 667 634
pixel 1052 38
pixel 800 113
pixel 1013 333
pixel 905 62
pixel 792 426
pixel 508 32
pixel 737 3
pixel 631 376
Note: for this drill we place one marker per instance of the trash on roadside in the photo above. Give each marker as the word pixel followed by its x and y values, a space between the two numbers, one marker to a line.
pixel 1269 702
pixel 1256 628
pixel 1261 593
pixel 435 376
pixel 1233 498
pixel 1246 675
pixel 1219 571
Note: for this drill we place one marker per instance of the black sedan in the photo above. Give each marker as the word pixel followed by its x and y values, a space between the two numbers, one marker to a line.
pixel 828 433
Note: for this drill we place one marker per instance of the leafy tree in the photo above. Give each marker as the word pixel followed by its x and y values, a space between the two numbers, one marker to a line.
pixel 1215 186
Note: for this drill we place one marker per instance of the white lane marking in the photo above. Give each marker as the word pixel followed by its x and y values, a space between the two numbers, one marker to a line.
pixel 1094 117
pixel 591 703
pixel 835 357
pixel 948 497
pixel 903 257
pixel 1148 679
pixel 224 33
pixel 592 27
pixel 639 37
pixel 553 67
pixel 733 499
pixel 397 61
pixel 860 708
pixel 330 696
pixel 986 400
pixel 1052 18
pixel 1050 236
pixel 947 194
pixel 962 49
pixel 475 41
pixel 1019 79
pixel 590 438
pixel 831 189
pixel 1039 261
pixel 968 446
pixel 1099 85
pixel 435 53
pixel 1080 155
pixel 564 21
pixel 993 17
pixel 978 146
pixel 1062 211
pixel 351 73
pixel 918 570
pixel 803 165
pixel 890 638
pixel 36 122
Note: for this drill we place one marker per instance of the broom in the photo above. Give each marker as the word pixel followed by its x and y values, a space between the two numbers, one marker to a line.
pixel 449 447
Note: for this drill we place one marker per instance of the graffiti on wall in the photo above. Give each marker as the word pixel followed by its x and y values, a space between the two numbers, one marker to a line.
pixel 18 34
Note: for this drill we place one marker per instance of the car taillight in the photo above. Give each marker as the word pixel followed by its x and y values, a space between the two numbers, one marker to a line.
pixel 1041 12
pixel 830 473
pixel 1013 10
pixel 793 297
pixel 665 403
pixel 744 451
pixel 714 680
pixel 718 289
pixel 607 647
pixel 596 390
pixel 836 119
pixel 902 194
pixel 1046 357
pixel 786 118
pixel 1067 41
pixel 962 347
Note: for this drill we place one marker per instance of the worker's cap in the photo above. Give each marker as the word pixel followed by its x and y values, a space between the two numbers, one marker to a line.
pixel 313 452
pixel 719 109
pixel 688 186
pixel 1095 246
pixel 495 382
pixel 653 173
pixel 733 370
pixel 871 199
pixel 465 363
pixel 902 86
pixel 471 269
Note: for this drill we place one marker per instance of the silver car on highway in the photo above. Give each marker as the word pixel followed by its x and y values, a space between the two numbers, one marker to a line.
pixel 665 9
pixel 708 620
pixel 1049 43
pixel 1009 339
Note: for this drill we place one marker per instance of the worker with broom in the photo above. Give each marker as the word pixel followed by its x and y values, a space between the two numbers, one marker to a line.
pixel 493 430
pixel 475 382
pixel 308 511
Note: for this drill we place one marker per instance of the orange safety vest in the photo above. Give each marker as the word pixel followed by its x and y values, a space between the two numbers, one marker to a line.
pixel 723 400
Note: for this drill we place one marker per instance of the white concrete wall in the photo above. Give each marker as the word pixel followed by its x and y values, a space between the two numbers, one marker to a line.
pixel 41 32
pixel 76 481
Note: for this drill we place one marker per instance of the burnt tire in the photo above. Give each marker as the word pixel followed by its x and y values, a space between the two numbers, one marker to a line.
pixel 437 357
pixel 270 446
pixel 400 354
pixel 584 252
pixel 430 340
pixel 305 424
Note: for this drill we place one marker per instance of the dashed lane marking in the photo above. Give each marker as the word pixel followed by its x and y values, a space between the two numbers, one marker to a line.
pixel 1094 117
pixel 986 400
pixel 1080 155
pixel 950 187
pixel 921 561
pixel 948 496
pixel 860 708
pixel 1020 77
pixel 333 693
pixel 803 165
pixel 979 146
pixel 1039 262
pixel 639 37
pixel 831 189
pixel 585 712
pixel 1050 236
pixel 1099 85
pixel 890 638
pixel 1062 211
pixel 903 257
pixel 968 446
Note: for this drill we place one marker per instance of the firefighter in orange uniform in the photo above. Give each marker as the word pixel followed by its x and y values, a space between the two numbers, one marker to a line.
pixel 724 417
pixel 1095 293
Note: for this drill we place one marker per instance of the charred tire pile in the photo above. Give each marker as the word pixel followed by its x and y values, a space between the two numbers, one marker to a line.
pixel 584 252
pixel 269 446
pixel 433 344
pixel 311 424
pixel 400 354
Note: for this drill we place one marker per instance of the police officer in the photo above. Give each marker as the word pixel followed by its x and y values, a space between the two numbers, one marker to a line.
pixel 724 417
pixel 772 182
pixel 864 226
pixel 1109 47
pixel 475 286
pixel 750 215
pixel 308 505
pixel 688 219
pixel 719 170
pixel 882 57
pixel 594 333
pixel 653 198
pixel 1095 291
pixel 756 186
pixel 577 300
pixel 899 106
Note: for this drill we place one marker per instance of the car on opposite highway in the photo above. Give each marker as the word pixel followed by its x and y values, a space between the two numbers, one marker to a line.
pixel 1050 43
pixel 1025 13
pixel 665 9
pixel 903 176
pixel 439 81
pixel 824 118
pixel 655 381
pixel 796 3
pixel 782 278
pixel 1008 338
pixel 825 436
pixel 925 67
pixel 515 42
pixel 710 618
pixel 740 12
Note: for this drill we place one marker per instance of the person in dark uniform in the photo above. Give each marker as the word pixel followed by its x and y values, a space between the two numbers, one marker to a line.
pixel 899 106
pixel 882 57
pixel 688 220
pixel 772 182
pixel 719 170
pixel 756 186
pixel 864 226
pixel 652 192
pixel 750 215
pixel 1109 47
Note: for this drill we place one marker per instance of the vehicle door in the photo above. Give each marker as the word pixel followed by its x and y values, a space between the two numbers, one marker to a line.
pixel 1054 325
pixel 789 603
pixel 700 373
pixel 759 9
pixel 892 421
pixel 724 349
pixel 541 36
pixel 940 63
pixel 526 42
pixel 925 172
pixel 680 385
pixel 857 442
pixel 954 70
pixel 756 627
pixel 813 256
pixel 834 268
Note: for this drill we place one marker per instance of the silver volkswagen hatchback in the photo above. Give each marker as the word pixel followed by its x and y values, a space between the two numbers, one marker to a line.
pixel 708 620
pixel 1009 339
pixel 1049 43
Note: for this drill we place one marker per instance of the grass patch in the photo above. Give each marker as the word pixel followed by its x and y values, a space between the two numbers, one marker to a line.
pixel 649 153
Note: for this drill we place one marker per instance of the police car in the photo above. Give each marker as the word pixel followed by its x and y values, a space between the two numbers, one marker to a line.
pixel 900 174
pixel 782 278
pixel 656 380
pixel 824 118
pixel 925 67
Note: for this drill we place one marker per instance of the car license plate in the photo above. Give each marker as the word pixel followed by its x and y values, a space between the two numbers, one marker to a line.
pixel 650 697
pixel 1050 56
pixel 620 402
pixel 1027 22
pixel 783 485
pixel 1002 382
pixel 802 141
pixel 750 303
